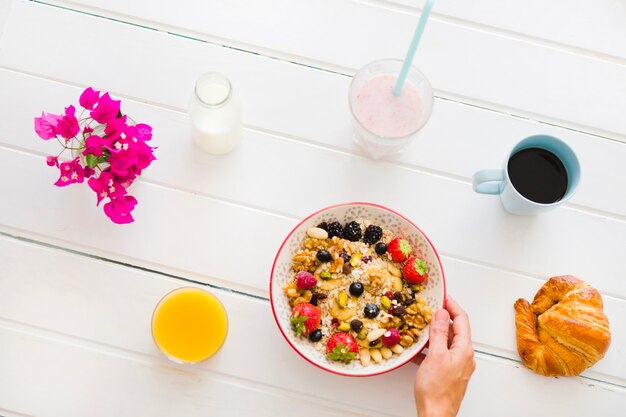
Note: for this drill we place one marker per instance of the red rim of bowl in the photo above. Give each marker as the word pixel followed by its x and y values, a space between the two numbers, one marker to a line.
pixel 443 278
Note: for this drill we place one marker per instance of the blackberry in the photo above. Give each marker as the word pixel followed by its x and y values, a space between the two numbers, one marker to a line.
pixel 372 234
pixel 352 231
pixel 323 225
pixel 334 229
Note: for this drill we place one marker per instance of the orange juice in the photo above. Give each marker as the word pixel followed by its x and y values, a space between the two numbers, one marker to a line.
pixel 189 325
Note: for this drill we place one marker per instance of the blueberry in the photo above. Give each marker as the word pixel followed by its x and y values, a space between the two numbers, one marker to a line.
pixel 356 325
pixel 324 256
pixel 371 310
pixel 381 248
pixel 315 335
pixel 345 257
pixel 356 289
pixel 323 225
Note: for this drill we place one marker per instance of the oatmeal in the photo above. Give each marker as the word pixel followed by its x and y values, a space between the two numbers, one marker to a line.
pixel 355 292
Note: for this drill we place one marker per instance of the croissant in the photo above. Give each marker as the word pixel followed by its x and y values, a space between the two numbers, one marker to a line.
pixel 565 330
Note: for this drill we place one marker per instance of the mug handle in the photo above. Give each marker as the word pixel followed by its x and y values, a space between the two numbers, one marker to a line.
pixel 488 181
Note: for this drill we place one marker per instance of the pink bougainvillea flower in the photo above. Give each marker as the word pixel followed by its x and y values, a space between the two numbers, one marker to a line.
pixel 106 109
pixel 87 129
pixel 140 131
pixel 119 208
pixel 52 161
pixel 93 146
pixel 89 98
pixel 105 186
pixel 114 129
pixel 88 171
pixel 71 172
pixel 45 126
pixel 68 125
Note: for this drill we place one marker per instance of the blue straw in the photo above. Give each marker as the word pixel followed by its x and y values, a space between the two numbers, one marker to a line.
pixel 419 30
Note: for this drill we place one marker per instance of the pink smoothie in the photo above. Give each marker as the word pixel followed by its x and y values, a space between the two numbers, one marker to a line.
pixel 384 114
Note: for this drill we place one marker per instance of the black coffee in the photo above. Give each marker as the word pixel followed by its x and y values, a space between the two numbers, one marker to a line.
pixel 538 174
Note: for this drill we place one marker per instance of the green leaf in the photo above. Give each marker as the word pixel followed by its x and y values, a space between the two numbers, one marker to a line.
pixel 298 323
pixel 341 353
pixel 92 160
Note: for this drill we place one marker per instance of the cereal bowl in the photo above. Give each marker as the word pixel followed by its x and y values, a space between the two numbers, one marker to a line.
pixel 426 298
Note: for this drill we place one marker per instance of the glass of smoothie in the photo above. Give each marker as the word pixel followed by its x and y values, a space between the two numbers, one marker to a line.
pixel 383 124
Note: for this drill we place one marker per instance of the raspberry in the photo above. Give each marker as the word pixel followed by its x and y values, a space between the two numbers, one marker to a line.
pixel 305 280
pixel 391 337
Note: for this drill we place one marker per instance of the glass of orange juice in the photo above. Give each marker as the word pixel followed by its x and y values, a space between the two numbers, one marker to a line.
pixel 189 325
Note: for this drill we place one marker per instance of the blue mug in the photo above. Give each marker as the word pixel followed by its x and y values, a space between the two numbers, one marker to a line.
pixel 498 181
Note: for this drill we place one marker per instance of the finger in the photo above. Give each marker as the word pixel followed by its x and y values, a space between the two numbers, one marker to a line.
pixel 460 323
pixel 438 335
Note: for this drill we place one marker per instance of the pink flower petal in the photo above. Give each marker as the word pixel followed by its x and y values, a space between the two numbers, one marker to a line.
pixel 106 109
pixel 45 126
pixel 89 98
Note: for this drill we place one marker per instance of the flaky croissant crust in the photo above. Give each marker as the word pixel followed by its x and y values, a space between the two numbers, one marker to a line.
pixel 565 330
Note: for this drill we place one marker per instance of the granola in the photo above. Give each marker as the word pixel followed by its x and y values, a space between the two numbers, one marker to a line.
pixel 361 284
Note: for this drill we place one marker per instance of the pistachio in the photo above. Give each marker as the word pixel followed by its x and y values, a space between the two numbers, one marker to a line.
pixel 343 327
pixel 342 299
pixel 362 334
pixel 375 334
pixel 317 233
pixel 416 287
pixel 385 301
pixel 325 275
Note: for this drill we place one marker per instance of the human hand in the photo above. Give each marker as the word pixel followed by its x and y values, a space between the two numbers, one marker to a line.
pixel 443 374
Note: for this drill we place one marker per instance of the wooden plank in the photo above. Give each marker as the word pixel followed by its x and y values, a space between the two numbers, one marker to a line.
pixel 526 78
pixel 91 286
pixel 598 26
pixel 294 110
pixel 53 378
pixel 87 343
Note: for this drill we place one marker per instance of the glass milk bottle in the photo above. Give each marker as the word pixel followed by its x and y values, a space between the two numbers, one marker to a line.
pixel 215 112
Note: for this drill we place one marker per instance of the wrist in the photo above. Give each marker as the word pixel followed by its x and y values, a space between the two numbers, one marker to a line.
pixel 435 410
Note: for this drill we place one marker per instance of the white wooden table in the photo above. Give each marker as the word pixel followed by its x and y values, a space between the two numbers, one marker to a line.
pixel 77 292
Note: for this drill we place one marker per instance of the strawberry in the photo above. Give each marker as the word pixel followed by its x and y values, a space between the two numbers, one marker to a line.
pixel 305 318
pixel 399 249
pixel 415 270
pixel 341 347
